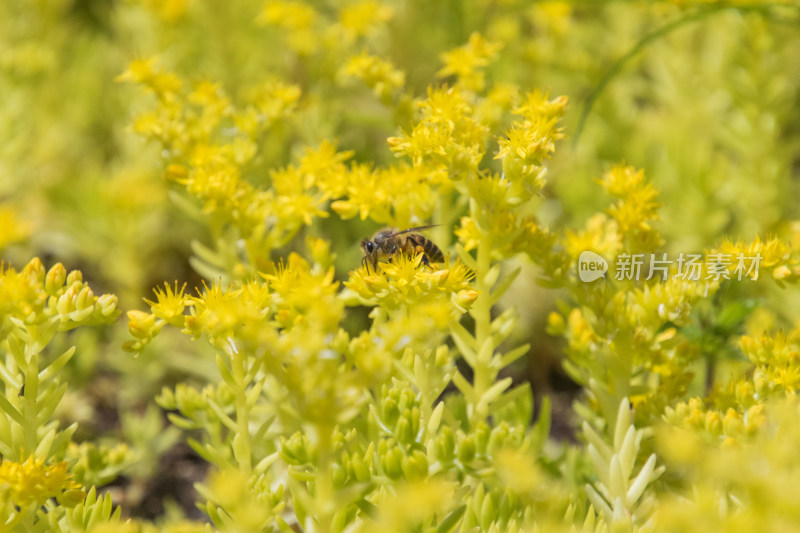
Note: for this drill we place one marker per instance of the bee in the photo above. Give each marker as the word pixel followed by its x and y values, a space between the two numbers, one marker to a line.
pixel 389 241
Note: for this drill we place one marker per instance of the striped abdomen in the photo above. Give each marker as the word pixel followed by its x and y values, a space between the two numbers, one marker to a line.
pixel 416 243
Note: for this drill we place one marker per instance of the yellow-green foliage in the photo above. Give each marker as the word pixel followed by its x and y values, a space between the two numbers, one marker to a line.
pixel 246 148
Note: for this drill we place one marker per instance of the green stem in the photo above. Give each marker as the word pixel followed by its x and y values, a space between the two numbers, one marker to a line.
pixel 482 313
pixel 638 47
pixel 324 494
pixel 442 217
pixel 29 405
pixel 244 447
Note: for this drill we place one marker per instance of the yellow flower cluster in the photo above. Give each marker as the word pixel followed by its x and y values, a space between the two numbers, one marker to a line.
pixel 308 31
pixel 208 143
pixel 447 136
pixel 12 228
pixel 398 196
pixel 467 62
pixel 35 296
pixel 293 294
pixel 403 282
pixel 636 208
pixel 378 74
pixel 777 360
pixel 32 482
pixel 719 426
pixel 736 484
pixel 776 257
pixel 623 336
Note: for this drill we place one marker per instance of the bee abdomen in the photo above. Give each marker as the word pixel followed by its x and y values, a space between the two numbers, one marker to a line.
pixel 432 252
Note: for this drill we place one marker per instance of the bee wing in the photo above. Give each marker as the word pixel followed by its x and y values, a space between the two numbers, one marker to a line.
pixel 418 228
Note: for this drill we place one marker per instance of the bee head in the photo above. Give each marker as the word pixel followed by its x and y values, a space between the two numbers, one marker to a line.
pixel 368 246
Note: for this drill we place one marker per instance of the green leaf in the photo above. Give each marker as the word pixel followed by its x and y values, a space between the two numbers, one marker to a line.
pixel 514 354
pixel 368 508
pixel 48 402
pixel 53 368
pixel 225 372
pixel 503 286
pixel 465 342
pixel 8 378
pixel 62 438
pixel 45 445
pixel 515 406
pixel 541 430
pixel 623 423
pixel 465 387
pixel 181 422
pixel 450 521
pixel 11 411
pixel 466 257
pixel 224 418
pixel 495 391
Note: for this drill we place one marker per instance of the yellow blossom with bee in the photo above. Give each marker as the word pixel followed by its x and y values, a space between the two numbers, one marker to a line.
pixel 374 219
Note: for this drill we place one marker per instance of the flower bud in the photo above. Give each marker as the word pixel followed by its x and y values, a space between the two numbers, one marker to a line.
pixel 392 462
pixel 465 298
pixel 72 497
pixel 34 270
pixel 66 302
pixel 359 469
pixel 141 324
pixel 107 304
pixel 415 467
pixel 55 278
pixel 76 276
pixel 466 450
pixel 85 298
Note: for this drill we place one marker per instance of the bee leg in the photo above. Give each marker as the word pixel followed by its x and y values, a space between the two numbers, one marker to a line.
pixel 420 250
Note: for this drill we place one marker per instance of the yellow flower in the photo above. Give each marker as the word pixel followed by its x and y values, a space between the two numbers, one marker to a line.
pixel 301 295
pixel 20 292
pixel 405 281
pixel 468 61
pixel 555 16
pixel 170 304
pixel 360 18
pixel 223 314
pixel 636 208
pixel 288 14
pixel 530 141
pixel 165 85
pixel 448 134
pixel 274 100
pixel 295 201
pixel 324 168
pixel 378 74
pixel 297 18
pixel 525 143
pixel 34 296
pixel 12 229
pixel 32 482
pixel 601 235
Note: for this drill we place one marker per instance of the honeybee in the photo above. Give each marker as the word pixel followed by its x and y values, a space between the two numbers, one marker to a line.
pixel 389 241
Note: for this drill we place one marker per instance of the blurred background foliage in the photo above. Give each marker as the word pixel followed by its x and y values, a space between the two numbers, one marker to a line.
pixel 709 109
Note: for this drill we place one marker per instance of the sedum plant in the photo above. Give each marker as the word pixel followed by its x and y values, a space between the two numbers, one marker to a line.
pixel 38 490
pixel 323 425
pixel 321 395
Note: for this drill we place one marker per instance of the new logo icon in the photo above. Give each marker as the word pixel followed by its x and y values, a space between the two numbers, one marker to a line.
pixel 591 266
